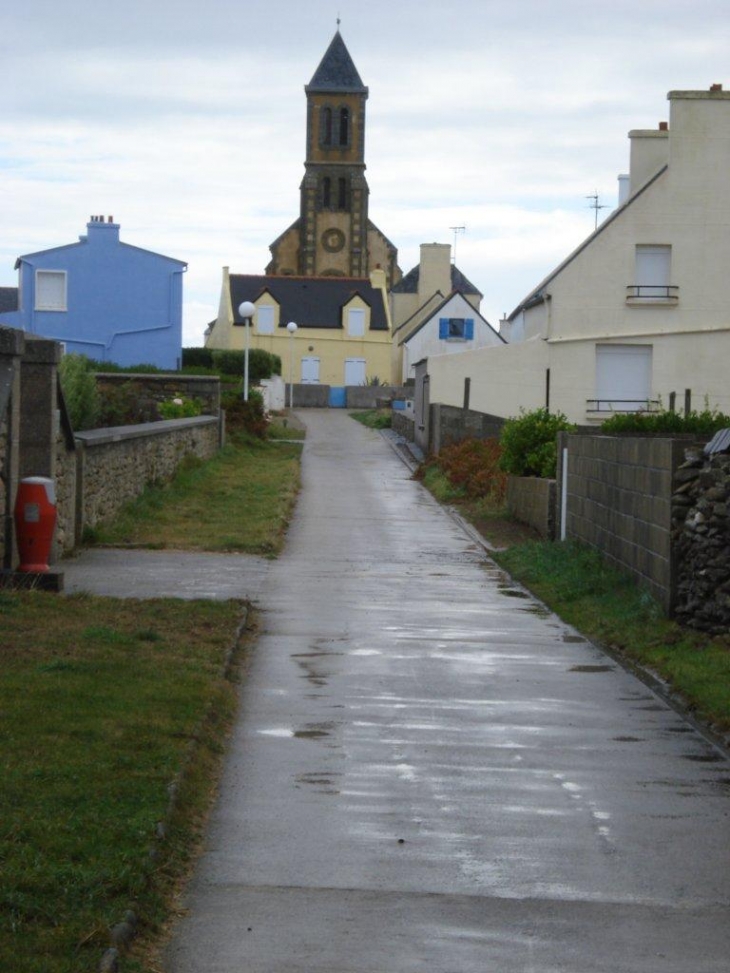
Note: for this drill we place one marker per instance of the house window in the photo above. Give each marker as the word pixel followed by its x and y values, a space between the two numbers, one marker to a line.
pixel 355 371
pixel 623 379
pixel 50 290
pixel 652 275
pixel 265 319
pixel 326 128
pixel 344 126
pixel 356 322
pixel 456 329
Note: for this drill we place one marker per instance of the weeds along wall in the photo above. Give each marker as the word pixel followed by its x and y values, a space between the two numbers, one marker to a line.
pixel 162 388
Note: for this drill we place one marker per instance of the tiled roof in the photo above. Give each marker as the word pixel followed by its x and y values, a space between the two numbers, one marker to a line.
pixel 313 302
pixel 8 299
pixel 336 71
pixel 409 283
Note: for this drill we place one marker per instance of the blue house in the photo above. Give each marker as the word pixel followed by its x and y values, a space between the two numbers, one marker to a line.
pixel 103 298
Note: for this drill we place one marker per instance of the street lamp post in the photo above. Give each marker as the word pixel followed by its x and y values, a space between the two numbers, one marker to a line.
pixel 292 329
pixel 247 311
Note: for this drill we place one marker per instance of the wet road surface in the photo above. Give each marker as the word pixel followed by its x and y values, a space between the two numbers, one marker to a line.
pixel 433 773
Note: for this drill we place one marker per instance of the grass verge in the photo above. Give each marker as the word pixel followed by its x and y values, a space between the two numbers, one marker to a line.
pixel 603 603
pixel 374 418
pixel 100 711
pixel 607 606
pixel 241 500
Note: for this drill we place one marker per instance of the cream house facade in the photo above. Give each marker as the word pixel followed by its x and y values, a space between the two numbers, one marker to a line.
pixel 641 309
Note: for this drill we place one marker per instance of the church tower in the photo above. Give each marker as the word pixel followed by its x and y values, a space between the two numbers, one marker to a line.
pixel 333 236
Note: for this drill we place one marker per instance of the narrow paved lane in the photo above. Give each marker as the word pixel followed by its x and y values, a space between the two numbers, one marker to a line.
pixel 431 772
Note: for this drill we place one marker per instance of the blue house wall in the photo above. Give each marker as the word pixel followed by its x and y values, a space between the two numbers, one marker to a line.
pixel 123 304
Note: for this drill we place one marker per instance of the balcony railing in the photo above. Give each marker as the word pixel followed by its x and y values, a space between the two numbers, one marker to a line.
pixel 622 405
pixel 646 293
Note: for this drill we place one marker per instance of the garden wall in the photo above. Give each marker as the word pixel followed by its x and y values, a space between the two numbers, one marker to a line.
pixel 373 396
pixel 404 426
pixel 449 424
pixel 162 388
pixel 114 465
pixel 532 501
pixel 619 500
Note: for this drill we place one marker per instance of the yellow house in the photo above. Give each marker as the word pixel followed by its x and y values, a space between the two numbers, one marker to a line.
pixel 343 335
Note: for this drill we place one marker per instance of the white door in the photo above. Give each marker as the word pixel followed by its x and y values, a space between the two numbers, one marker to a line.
pixel 355 371
pixel 623 377
pixel 310 371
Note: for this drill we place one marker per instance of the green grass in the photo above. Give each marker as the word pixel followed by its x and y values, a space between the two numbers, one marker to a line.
pixel 374 418
pixel 102 703
pixel 241 500
pixel 608 607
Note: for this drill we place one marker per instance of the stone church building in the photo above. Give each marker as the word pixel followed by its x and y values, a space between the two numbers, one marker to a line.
pixel 334 236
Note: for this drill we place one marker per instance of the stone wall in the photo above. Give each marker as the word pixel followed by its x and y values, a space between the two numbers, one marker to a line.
pixel 162 388
pixel 531 500
pixel 404 426
pixel 449 424
pixel 114 465
pixel 701 539
pixel 618 500
pixel 66 535
pixel 309 396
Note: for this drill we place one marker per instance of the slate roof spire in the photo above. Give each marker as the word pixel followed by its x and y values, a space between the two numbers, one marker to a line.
pixel 336 71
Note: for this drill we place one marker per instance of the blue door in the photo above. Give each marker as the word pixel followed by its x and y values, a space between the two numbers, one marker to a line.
pixel 338 397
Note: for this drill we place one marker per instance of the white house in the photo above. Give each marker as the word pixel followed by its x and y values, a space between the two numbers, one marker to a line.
pixel 640 310
pixel 453 326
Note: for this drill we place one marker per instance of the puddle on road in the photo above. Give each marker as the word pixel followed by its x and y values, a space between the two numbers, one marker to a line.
pixel 591 669
pixel 315 731
pixel 627 739
pixel 574 638
pixel 321 780
pixel 513 592
pixel 704 758
pixel 537 610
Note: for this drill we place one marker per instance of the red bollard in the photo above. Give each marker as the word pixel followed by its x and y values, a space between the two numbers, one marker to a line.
pixel 35 520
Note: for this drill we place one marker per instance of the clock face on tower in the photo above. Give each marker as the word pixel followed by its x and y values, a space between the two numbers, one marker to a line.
pixel 333 240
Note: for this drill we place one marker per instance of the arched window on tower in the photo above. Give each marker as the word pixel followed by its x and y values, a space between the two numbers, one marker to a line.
pixel 326 129
pixel 342 194
pixel 344 126
pixel 326 192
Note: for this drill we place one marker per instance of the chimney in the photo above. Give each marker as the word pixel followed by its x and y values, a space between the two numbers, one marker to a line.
pixel 715 87
pixel 434 273
pixel 663 126
pixel 99 232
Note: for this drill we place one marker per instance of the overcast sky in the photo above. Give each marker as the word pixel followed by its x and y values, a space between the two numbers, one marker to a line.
pixel 186 122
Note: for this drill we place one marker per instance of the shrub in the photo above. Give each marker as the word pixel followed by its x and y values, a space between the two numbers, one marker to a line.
pixel 248 417
pixel 180 408
pixel 80 392
pixel 197 358
pixel 261 364
pixel 705 423
pixel 529 442
pixel 472 467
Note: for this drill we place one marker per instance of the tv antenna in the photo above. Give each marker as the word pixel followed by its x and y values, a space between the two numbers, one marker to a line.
pixel 457 230
pixel 595 205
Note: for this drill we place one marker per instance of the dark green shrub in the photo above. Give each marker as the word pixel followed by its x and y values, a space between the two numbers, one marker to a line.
pixel 197 358
pixel 529 442
pixel 261 364
pixel 705 423
pixel 80 393
pixel 247 417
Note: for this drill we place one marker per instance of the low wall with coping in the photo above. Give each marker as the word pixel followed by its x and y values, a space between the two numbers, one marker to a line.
pixel 373 396
pixel 114 465
pixel 531 500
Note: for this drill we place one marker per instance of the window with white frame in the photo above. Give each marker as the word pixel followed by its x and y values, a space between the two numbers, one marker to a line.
pixel 356 322
pixel 265 319
pixel 50 290
pixel 653 268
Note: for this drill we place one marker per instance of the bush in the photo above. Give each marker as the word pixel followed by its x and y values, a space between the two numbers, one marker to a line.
pixel 123 405
pixel 248 417
pixel 529 443
pixel 197 358
pixel 261 364
pixel 705 423
pixel 180 408
pixel 472 466
pixel 78 384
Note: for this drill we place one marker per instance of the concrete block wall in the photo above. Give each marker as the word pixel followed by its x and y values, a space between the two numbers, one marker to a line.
pixel 531 500
pixel 373 396
pixel 450 424
pixel 619 500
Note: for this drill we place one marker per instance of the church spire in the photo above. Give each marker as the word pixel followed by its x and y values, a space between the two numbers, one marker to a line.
pixel 336 71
